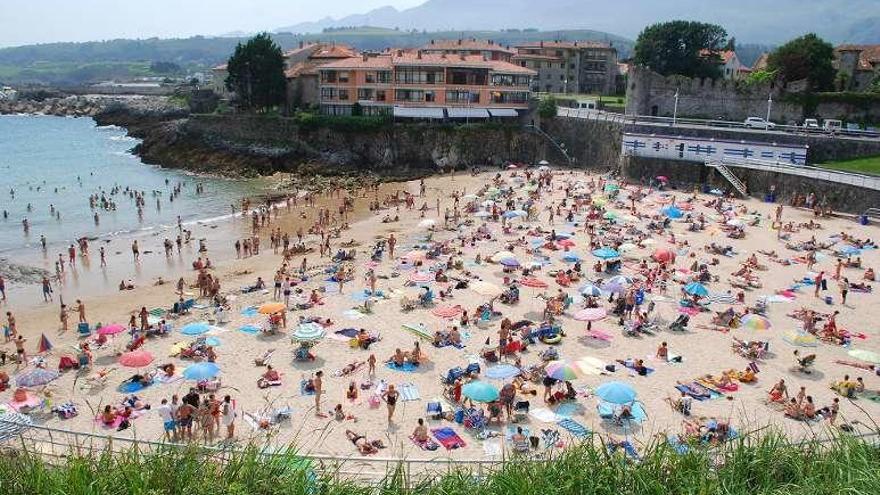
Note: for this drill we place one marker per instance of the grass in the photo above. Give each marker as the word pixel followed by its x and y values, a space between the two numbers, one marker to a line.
pixel 762 466
pixel 869 165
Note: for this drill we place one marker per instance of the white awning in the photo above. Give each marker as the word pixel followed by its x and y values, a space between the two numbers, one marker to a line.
pixel 419 112
pixel 467 113
pixel 503 112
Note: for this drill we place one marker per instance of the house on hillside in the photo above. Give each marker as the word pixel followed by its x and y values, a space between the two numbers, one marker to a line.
pixel 858 64
pixel 301 70
pixel 419 85
pixel 218 82
pixel 731 67
pixel 587 67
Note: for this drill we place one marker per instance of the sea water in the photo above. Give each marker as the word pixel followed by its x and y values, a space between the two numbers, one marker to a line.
pixel 59 162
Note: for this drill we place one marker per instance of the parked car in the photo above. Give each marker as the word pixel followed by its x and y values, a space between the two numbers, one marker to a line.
pixel 833 125
pixel 758 123
pixel 811 124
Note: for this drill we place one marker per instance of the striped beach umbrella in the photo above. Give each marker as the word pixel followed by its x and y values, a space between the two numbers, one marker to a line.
pixel 36 377
pixel 562 371
pixel 308 332
pixel 755 322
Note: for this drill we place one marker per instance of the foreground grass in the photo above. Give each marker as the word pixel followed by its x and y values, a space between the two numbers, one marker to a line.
pixel 768 465
pixel 870 165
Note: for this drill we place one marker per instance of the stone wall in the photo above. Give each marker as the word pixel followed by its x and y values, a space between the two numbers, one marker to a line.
pixel 842 197
pixel 650 93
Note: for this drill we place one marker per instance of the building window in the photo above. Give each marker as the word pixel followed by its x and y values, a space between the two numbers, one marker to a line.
pixel 412 75
pixel 343 95
pixel 328 94
pixel 328 76
pixel 510 97
pixel 380 95
pixel 370 78
pixel 462 97
pixel 383 77
pixel 365 94
pixel 343 76
pixel 409 95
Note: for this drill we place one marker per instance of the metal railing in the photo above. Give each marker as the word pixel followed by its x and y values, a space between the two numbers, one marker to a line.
pixel 600 115
pixel 859 180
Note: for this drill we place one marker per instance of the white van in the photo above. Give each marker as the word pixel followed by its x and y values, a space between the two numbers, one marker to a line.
pixel 833 125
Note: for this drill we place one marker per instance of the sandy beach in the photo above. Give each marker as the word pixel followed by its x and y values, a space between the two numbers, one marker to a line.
pixel 705 348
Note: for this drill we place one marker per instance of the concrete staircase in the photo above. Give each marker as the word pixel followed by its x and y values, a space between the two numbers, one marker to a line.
pixel 729 175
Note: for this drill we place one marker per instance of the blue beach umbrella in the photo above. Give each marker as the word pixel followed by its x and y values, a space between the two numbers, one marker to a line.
pixel 848 250
pixel 672 212
pixel 201 371
pixel 197 328
pixel 36 377
pixel 616 393
pixel 696 289
pixel 590 290
pixel 605 253
pixel 571 258
pixel 510 262
pixel 502 372
pixel 480 391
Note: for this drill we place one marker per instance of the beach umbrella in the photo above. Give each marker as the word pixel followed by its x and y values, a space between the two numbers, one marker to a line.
pixel 308 332
pixel 605 253
pixel 591 314
pixel 111 329
pixel 618 283
pixel 514 214
pixel 663 256
pixel 735 222
pixel 599 201
pixel 590 290
pixel 415 255
pixel 44 345
pixel 627 247
pixel 671 212
pixel 562 371
pixel 755 322
pixel 500 255
pixel 272 308
pixel 867 356
pixel 447 311
pixel 510 262
pixel 611 188
pixel 427 223
pixel 696 289
pixel 478 391
pixel 616 393
pixel 196 328
pixel 488 203
pixel 482 214
pixel 485 288
pixel 543 162
pixel 136 359
pixel 201 371
pixel 421 277
pixel 662 178
pixel 36 377
pixel 469 197
pixel 571 258
pixel 502 372
pixel 591 366
pixel 800 339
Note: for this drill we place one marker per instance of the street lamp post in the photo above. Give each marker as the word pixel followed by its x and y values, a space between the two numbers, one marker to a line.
pixel 769 108
pixel 675 109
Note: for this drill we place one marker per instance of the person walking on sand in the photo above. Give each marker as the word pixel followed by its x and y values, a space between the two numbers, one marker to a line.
pixel 11 330
pixel 136 251
pixel 391 395
pixel 371 365
pixel 818 281
pixel 318 383
pixel 227 410
pixel 81 310
pixel 64 316
pixel 843 285
pixel 392 241
pixel 21 354
pixel 2 289
pixel 47 289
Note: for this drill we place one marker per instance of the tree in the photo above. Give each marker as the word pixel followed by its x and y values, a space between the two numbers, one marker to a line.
pixel 547 108
pixel 681 47
pixel 808 57
pixel 256 73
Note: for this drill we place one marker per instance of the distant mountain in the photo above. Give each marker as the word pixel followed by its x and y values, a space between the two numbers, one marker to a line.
pixel 753 21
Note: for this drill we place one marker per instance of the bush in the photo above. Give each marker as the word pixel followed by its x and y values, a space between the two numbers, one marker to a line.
pixel 547 108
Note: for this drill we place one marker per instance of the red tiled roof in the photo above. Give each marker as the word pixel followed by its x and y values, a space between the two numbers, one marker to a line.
pixel 565 44
pixel 470 44
pixel 377 62
pixel 410 58
pixel 334 51
pixel 724 55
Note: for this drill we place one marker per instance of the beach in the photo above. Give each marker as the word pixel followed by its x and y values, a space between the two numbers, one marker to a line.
pixel 704 348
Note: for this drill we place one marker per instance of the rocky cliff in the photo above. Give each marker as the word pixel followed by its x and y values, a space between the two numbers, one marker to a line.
pixel 62 105
pixel 252 145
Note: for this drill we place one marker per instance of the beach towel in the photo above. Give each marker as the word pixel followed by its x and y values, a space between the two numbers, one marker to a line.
pixel 353 314
pixel 567 409
pixel 448 438
pixel 131 387
pixel 544 415
pixel 419 329
pixel 249 329
pixel 632 367
pixel 249 312
pixel 428 444
pixel 409 392
pixel 302 388
pixel 712 394
pixel 680 447
pixel 576 429
pixel 492 448
pixel 406 368
pixel 347 332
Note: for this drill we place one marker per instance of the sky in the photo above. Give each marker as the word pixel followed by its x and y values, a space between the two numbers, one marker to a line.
pixel 24 22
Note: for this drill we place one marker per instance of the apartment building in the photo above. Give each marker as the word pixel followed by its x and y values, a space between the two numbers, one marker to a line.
pixel 487 49
pixel 301 72
pixel 570 66
pixel 415 84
